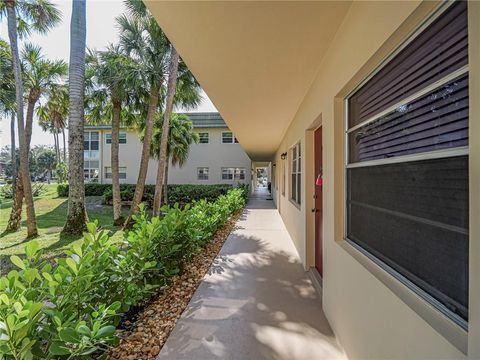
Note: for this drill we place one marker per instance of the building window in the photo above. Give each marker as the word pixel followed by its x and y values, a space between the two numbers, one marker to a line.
pixel 296 176
pixel 203 137
pixel 122 138
pixel 228 138
pixel 202 173
pixel 407 168
pixel 91 156
pixel 233 173
pixel 122 172
pixel 284 177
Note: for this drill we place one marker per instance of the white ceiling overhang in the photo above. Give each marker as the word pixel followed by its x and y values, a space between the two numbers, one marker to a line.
pixel 255 60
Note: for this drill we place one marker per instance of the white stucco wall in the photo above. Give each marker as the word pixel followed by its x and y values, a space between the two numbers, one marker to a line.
pixel 213 155
pixel 368 318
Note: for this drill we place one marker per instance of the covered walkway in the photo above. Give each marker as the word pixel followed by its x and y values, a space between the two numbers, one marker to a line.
pixel 256 302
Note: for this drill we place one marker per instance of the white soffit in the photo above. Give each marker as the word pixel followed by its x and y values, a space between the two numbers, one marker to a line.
pixel 255 60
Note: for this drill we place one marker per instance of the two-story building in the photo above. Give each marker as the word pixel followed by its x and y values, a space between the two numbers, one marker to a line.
pixel 218 158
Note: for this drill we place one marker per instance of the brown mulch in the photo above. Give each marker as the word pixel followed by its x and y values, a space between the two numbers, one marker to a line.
pixel 144 338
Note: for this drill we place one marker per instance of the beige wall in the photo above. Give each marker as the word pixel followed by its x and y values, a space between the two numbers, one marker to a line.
pixel 369 319
pixel 213 155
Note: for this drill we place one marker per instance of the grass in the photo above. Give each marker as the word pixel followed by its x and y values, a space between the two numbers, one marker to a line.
pixel 51 212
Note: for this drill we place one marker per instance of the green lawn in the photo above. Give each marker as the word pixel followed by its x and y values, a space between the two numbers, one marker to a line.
pixel 51 212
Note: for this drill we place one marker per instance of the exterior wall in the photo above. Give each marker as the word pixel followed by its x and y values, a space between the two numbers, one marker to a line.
pixel 213 155
pixel 129 157
pixel 360 307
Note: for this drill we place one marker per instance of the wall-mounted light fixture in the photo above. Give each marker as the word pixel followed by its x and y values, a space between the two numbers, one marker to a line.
pixel 283 156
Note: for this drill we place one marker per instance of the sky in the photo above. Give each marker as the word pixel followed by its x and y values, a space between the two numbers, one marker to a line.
pixel 101 30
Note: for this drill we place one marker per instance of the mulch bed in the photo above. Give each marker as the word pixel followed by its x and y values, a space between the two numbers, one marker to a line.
pixel 146 331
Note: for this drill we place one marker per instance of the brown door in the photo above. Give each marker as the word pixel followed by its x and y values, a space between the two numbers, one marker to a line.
pixel 318 201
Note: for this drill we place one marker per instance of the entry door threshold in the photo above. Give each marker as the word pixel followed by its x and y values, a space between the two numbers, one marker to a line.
pixel 316 279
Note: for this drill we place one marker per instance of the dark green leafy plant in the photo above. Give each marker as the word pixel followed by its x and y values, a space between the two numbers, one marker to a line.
pixel 70 309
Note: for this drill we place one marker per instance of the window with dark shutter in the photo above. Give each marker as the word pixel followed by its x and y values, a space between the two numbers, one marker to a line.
pixel 407 167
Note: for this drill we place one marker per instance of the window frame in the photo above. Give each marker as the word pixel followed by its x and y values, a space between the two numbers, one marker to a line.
pixel 106 172
pixel 233 141
pixel 235 172
pixel 449 324
pixel 108 138
pixel 296 157
pixel 200 137
pixel 228 169
pixel 88 158
pixel 203 169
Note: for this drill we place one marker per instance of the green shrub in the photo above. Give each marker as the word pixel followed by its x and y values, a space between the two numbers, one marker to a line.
pixel 62 190
pixel 6 191
pixel 91 189
pixel 181 194
pixel 71 309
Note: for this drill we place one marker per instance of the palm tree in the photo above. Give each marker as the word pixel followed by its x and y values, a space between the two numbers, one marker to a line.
pixel 77 214
pixel 7 100
pixel 39 74
pixel 162 156
pixel 38 15
pixel 52 117
pixel 27 186
pixel 116 75
pixel 180 137
pixel 144 41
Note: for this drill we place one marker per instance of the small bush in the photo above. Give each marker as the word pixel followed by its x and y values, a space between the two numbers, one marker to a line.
pixel 62 190
pixel 71 309
pixel 6 191
pixel 181 194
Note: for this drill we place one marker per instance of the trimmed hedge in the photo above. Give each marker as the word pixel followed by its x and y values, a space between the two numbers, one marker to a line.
pixel 70 310
pixel 181 194
pixel 91 189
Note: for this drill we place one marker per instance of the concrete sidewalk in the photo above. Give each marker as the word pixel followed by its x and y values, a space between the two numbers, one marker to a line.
pixel 256 302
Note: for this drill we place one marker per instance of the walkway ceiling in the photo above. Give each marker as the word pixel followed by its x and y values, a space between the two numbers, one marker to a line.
pixel 255 60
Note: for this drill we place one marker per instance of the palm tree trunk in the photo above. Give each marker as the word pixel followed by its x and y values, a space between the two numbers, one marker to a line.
pixel 55 144
pixel 117 201
pixel 162 157
pixel 165 184
pixel 64 146
pixel 147 140
pixel 22 139
pixel 77 214
pixel 16 214
pixel 13 151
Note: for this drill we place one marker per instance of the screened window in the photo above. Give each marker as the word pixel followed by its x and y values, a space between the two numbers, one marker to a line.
pixel 122 172
pixel 91 156
pixel 203 137
pixel 122 138
pixel 228 138
pixel 202 173
pixel 296 174
pixel 91 145
pixel 233 173
pixel 407 170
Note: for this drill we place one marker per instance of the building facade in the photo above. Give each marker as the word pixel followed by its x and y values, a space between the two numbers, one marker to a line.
pixel 218 158
pixel 369 114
